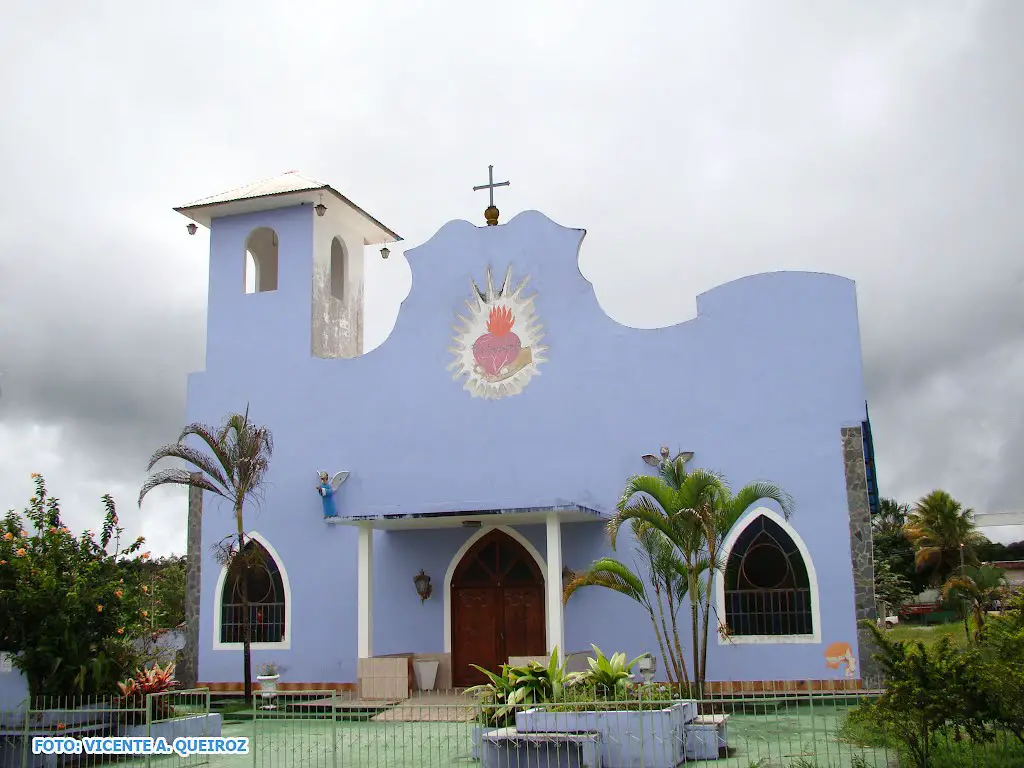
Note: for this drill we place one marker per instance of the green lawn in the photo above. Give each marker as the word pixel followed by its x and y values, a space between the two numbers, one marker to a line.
pixel 928 635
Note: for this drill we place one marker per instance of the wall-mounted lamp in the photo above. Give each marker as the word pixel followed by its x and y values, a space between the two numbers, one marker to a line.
pixel 320 208
pixel 385 252
pixel 423 586
pixel 191 227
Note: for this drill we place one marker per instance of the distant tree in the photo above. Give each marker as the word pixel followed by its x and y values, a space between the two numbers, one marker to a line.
pixel 891 517
pixel 940 529
pixel 891 587
pixel 233 466
pixel 994 551
pixel 977 589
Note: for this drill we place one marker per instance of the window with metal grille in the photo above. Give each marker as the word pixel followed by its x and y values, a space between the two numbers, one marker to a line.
pixel 266 599
pixel 767 590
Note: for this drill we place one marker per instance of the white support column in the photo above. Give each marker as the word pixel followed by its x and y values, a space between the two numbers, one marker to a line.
pixel 553 584
pixel 364 595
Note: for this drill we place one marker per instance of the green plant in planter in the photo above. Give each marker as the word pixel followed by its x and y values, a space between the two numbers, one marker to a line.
pixel 610 676
pixel 514 687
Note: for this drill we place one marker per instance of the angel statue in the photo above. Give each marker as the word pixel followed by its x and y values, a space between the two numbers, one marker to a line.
pixel 328 485
pixel 654 461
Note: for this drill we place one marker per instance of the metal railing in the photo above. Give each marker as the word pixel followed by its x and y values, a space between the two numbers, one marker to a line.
pixel 266 622
pixel 769 612
pixel 171 714
pixel 775 727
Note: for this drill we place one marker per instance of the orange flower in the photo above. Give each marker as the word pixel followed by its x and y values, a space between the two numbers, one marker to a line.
pixel 99 609
pixel 34 475
pixel 120 630
pixel 144 556
pixel 118 593
pixel 20 552
pixel 61 726
pixel 8 536
pixel 53 529
pixel 3 562
pixel 145 589
pixel 24 533
pixel 144 613
pixel 121 581
pixel 65 530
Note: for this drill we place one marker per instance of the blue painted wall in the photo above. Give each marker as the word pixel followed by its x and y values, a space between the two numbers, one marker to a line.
pixel 758 386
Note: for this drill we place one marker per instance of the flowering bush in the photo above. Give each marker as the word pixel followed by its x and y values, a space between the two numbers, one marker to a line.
pixel 69 606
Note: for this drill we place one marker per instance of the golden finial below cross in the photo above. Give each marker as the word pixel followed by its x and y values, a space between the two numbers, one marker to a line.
pixel 491 214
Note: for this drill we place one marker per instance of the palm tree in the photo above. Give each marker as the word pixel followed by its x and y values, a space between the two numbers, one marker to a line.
pixel 668 580
pixel 693 512
pixel 234 468
pixel 942 532
pixel 977 588
pixel 891 516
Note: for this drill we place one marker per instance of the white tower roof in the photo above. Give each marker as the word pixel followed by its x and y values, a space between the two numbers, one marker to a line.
pixel 289 188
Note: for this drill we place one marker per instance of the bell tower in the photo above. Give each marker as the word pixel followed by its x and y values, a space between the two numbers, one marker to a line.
pixel 286 269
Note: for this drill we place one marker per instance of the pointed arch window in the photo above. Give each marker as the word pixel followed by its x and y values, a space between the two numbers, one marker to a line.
pixel 769 590
pixel 267 598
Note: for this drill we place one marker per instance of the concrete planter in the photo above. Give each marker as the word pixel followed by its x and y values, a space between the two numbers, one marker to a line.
pixel 268 689
pixel 629 739
pixel 477 737
pixel 426 673
pixel 706 736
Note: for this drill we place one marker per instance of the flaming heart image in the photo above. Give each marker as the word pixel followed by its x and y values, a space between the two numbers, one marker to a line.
pixel 499 347
pixel 497 344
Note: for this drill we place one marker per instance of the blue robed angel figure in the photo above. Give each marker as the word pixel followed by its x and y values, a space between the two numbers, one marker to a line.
pixel 328 485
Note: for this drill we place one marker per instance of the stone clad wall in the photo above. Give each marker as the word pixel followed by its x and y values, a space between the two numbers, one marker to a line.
pixel 187 668
pixel 861 545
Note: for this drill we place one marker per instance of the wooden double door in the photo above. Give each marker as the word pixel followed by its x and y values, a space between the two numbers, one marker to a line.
pixel 497 608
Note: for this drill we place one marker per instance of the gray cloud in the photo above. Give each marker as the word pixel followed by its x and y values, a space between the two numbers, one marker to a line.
pixel 696 144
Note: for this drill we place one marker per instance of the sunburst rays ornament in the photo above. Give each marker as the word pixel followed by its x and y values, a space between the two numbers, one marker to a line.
pixel 497 344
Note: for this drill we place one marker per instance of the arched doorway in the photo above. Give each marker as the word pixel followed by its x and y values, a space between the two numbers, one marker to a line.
pixel 497 608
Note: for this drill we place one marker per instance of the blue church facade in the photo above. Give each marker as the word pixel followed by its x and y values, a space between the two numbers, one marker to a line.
pixel 483 446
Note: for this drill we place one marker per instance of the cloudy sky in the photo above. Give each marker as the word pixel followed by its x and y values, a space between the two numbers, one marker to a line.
pixel 697 142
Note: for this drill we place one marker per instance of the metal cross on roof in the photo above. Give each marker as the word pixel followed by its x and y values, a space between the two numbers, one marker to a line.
pixel 491 214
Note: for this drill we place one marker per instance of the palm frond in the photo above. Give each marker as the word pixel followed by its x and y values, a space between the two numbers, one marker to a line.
pixel 611 574
pixel 751 494
pixel 179 477
pixel 641 508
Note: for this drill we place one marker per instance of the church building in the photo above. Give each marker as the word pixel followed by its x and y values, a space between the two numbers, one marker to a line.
pixel 428 499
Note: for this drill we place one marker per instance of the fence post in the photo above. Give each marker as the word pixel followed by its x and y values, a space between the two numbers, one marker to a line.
pixel 252 739
pixel 28 730
pixel 149 725
pixel 334 729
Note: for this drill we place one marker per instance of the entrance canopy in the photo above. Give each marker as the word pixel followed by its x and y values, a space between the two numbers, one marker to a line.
pixel 567 513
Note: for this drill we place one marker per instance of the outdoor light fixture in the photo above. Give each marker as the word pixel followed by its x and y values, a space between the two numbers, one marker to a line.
pixel 191 227
pixel 385 252
pixel 647 665
pixel 320 208
pixel 423 587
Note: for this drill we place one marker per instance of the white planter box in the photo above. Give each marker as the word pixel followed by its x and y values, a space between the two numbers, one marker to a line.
pixel 426 674
pixel 706 737
pixel 645 739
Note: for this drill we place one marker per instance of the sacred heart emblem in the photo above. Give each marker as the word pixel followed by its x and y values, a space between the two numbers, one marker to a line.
pixel 497 344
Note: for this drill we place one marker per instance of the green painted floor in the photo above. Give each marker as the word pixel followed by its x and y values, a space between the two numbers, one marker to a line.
pixel 795 737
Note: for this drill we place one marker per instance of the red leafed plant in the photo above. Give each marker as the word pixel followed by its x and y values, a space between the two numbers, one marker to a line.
pixel 135 690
